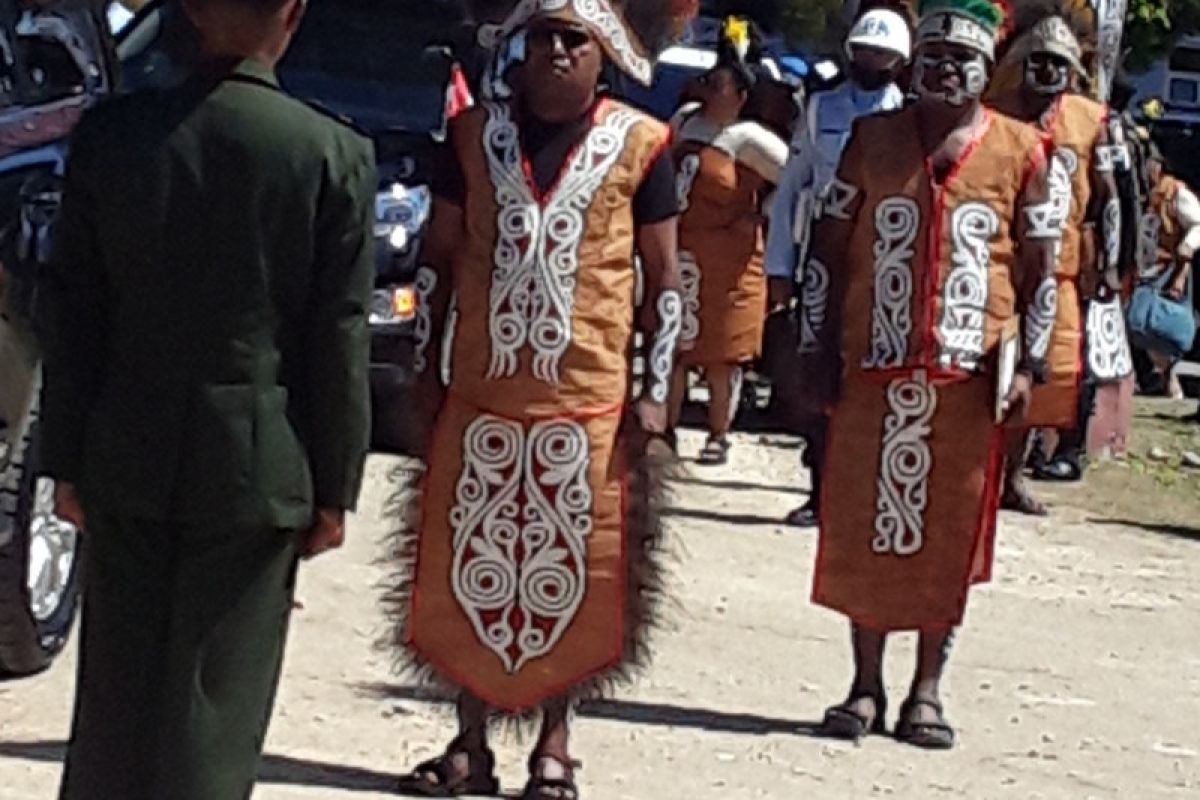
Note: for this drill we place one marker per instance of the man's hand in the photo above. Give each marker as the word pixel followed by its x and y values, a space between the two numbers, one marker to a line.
pixel 780 293
pixel 652 416
pixel 327 533
pixel 1020 396
pixel 67 506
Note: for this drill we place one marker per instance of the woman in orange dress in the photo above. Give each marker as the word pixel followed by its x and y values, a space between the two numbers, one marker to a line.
pixel 725 166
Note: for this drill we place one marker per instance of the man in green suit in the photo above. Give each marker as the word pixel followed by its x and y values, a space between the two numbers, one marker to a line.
pixel 206 400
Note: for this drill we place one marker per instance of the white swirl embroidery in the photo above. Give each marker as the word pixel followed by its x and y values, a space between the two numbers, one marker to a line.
pixel 537 248
pixel 897 220
pixel 1048 220
pixel 448 334
pixel 689 275
pixel 1040 318
pixel 666 340
pixel 906 462
pixel 426 285
pixel 1105 161
pixel 838 198
pixel 1112 232
pixel 600 14
pixel 965 293
pixel 814 302
pixel 689 168
pixel 1149 233
pixel 521 519
pixel 1109 356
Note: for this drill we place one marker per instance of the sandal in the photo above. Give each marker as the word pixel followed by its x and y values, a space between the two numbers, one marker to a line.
pixel 803 517
pixel 925 735
pixel 843 722
pixel 438 777
pixel 542 788
pixel 1023 503
pixel 1060 470
pixel 715 452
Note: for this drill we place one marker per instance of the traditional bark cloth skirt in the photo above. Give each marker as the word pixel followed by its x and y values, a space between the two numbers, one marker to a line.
pixel 911 490
pixel 1056 402
pixel 531 574
pixel 725 307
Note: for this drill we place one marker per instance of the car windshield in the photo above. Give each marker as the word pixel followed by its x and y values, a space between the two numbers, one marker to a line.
pixel 374 61
pixel 369 60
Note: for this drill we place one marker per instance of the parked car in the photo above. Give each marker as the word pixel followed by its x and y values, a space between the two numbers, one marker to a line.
pixel 383 68
pixel 56 63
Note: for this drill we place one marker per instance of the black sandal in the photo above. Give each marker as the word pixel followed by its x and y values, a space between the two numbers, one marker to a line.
pixel 1023 503
pixel 438 777
pixel 937 735
pixel 543 788
pixel 715 452
pixel 803 517
pixel 1060 470
pixel 843 722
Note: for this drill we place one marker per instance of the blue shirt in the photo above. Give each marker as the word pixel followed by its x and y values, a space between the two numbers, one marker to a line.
pixel 816 151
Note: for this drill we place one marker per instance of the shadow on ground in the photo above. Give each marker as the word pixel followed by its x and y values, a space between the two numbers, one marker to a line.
pixel 275 769
pixel 719 518
pixel 632 712
pixel 737 486
pixel 1187 533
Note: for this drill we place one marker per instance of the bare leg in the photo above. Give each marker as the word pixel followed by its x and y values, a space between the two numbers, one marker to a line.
pixel 864 709
pixel 723 380
pixel 922 721
pixel 678 395
pixel 1016 496
pixel 550 765
pixel 932 657
pixel 467 762
pixel 472 723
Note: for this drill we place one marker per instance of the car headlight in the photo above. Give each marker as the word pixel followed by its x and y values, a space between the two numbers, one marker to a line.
pixel 400 214
pixel 394 305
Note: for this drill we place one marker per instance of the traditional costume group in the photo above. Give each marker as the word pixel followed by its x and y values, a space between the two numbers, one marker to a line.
pixel 913 280
pixel 530 577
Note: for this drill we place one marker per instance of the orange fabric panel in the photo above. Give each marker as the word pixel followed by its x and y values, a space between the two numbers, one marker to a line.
pixel 1056 402
pixel 593 372
pixel 925 589
pixel 443 633
pixel 721 231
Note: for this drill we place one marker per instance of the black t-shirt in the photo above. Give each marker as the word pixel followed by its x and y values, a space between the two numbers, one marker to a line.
pixel 548 146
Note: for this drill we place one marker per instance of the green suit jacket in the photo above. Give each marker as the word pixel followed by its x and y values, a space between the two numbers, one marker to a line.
pixel 207 342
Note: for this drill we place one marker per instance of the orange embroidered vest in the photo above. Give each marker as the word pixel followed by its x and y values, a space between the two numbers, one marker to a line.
pixel 929 277
pixel 544 285
pixel 1075 127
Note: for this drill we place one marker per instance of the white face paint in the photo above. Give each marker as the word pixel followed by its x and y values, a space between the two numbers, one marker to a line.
pixel 1047 75
pixel 955 80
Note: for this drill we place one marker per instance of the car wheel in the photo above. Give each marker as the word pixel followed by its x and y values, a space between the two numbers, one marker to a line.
pixel 39 567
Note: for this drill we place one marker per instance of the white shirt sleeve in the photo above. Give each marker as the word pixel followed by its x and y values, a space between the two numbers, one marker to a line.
pixel 763 151
pixel 1187 210
pixel 685 112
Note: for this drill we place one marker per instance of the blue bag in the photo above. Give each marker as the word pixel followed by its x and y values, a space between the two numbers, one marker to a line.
pixel 1159 324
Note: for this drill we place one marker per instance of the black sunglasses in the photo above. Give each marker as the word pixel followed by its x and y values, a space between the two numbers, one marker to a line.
pixel 546 36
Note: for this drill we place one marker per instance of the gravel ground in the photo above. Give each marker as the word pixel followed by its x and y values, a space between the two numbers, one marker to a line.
pixel 1078 675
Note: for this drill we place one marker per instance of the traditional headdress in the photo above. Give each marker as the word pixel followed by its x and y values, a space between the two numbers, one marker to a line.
pixel 1065 28
pixel 740 48
pixel 632 32
pixel 970 23
pixel 1032 33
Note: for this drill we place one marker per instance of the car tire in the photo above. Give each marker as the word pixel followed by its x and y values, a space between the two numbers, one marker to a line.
pixel 29 642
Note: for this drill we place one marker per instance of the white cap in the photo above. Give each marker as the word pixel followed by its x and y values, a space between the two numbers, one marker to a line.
pixel 882 29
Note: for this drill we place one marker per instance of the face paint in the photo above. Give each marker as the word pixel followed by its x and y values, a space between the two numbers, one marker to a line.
pixel 1047 75
pixel 971 73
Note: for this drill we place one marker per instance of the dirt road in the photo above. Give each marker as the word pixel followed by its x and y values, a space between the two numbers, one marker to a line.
pixel 1078 676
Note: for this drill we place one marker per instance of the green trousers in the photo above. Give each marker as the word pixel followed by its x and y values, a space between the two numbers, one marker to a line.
pixel 183 634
